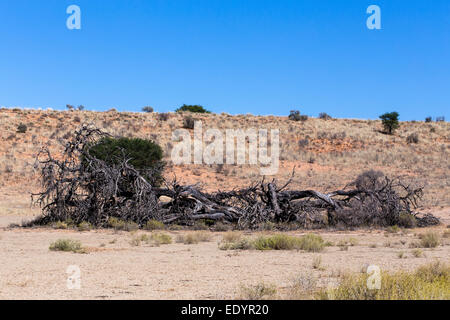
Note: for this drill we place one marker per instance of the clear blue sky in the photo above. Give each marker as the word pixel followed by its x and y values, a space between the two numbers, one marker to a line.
pixel 235 56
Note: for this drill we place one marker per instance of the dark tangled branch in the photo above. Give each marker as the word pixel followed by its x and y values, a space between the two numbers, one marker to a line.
pixel 79 187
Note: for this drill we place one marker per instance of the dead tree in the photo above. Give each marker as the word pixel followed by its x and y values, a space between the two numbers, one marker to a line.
pixel 79 187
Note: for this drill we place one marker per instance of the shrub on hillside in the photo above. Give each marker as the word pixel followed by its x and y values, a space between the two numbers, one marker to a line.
pixel 390 122
pixel 413 138
pixel 192 108
pixel 324 116
pixel 145 155
pixel 188 123
pixel 147 109
pixel 163 116
pixel 296 116
pixel 22 128
pixel 428 119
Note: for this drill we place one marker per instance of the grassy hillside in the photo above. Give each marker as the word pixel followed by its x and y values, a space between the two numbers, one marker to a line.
pixel 327 154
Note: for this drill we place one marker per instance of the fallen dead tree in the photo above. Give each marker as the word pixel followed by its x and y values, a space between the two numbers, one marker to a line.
pixel 79 187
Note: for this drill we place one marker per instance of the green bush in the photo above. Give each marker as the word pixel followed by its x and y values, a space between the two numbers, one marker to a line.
pixel 66 245
pixel 146 155
pixel 192 108
pixel 390 121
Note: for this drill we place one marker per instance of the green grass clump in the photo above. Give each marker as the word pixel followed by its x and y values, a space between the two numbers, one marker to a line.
pixel 309 242
pixel 312 243
pixel 66 245
pixel 161 238
pixel 242 244
pixel 417 253
pixel 118 224
pixel 429 240
pixel 275 242
pixel 155 239
pixel 393 229
pixel 407 220
pixel 154 225
pixel 60 225
pixel 232 236
pixel 431 282
pixel 136 240
pixel 84 226
pixel 194 238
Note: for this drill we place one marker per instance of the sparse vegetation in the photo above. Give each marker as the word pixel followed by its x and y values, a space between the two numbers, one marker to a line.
pixel 119 224
pixel 431 282
pixel 161 238
pixel 66 245
pixel 260 291
pixel 317 263
pixel 84 226
pixel 156 239
pixel 412 138
pixel 194 237
pixel 393 229
pixel 417 253
pixel 429 240
pixel 309 242
pixel 154 225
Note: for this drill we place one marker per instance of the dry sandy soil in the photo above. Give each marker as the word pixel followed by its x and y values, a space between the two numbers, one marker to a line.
pixel 115 269
pixel 327 154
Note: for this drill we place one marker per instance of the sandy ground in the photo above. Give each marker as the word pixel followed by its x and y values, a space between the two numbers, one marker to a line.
pixel 115 269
